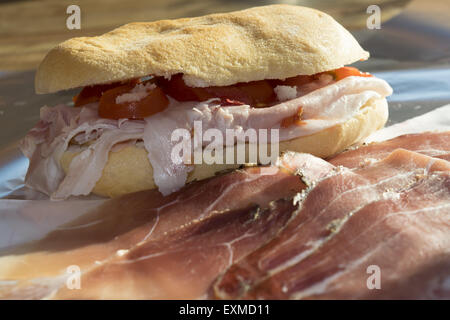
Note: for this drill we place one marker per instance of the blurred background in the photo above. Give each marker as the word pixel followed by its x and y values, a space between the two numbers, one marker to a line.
pixel 411 50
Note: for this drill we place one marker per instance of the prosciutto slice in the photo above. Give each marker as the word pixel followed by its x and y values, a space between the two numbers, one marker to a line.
pixel 434 144
pixel 302 229
pixel 392 215
pixel 204 228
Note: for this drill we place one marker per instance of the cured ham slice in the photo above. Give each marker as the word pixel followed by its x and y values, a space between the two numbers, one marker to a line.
pixel 433 144
pixel 302 229
pixel 392 215
pixel 183 264
pixel 149 246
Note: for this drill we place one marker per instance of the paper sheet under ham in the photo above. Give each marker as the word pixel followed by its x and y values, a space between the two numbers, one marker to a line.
pixel 323 107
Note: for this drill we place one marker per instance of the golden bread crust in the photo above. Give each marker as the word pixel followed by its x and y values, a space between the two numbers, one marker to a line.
pixel 269 42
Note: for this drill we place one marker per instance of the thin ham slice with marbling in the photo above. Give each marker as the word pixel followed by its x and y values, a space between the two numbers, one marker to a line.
pixel 392 215
pixel 298 230
pixel 203 229
pixel 433 144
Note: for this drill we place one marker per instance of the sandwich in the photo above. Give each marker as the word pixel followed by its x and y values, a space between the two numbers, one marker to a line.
pixel 279 68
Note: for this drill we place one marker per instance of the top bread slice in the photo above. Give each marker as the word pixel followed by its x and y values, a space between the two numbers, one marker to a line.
pixel 268 42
